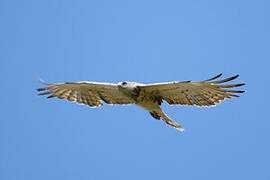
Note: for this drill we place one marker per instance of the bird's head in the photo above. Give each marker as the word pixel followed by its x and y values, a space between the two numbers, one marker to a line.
pixel 128 88
pixel 128 84
pixel 125 87
pixel 123 84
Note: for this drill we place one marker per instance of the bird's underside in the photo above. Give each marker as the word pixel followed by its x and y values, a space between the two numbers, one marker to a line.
pixel 148 96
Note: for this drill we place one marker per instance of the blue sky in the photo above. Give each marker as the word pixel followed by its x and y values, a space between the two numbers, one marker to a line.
pixel 144 41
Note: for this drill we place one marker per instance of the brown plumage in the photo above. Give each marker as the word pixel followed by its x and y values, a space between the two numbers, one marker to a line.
pixel 148 96
pixel 202 93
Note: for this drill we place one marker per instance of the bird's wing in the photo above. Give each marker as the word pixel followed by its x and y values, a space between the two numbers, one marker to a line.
pixel 88 93
pixel 203 93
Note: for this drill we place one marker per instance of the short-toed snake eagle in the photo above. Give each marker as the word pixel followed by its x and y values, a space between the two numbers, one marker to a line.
pixel 148 96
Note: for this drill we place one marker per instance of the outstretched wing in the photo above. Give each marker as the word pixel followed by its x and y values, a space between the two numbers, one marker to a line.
pixel 88 93
pixel 202 93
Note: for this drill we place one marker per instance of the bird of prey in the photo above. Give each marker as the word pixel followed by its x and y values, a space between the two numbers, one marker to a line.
pixel 148 96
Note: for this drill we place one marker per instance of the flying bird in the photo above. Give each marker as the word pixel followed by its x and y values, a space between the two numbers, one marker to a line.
pixel 147 96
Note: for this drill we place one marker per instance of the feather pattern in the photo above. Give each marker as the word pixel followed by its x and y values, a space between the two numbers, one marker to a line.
pixel 203 93
pixel 148 96
pixel 88 93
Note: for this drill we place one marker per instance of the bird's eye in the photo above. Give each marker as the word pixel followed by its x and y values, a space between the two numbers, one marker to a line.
pixel 124 83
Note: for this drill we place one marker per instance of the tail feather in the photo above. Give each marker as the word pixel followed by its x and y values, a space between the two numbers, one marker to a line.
pixel 161 115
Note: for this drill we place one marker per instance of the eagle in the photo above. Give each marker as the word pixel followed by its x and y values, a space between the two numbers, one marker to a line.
pixel 204 93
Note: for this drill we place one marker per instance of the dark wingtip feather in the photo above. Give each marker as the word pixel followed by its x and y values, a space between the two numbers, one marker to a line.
pixel 219 75
pixel 236 76
pixel 51 96
pixel 215 77
pixel 234 91
pixel 233 77
pixel 226 80
pixel 241 84
pixel 230 85
pixel 234 95
pixel 44 93
pixel 42 89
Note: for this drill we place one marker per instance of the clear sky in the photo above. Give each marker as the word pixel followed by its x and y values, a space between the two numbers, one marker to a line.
pixel 144 41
